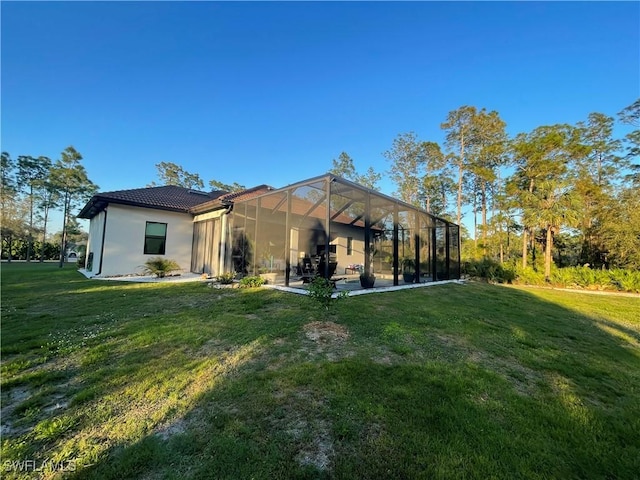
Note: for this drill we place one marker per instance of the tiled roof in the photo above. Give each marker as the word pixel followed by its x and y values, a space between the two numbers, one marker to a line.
pixel 168 197
pixel 231 197
pixel 246 194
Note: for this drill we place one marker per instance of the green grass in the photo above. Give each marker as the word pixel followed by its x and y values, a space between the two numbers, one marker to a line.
pixel 184 381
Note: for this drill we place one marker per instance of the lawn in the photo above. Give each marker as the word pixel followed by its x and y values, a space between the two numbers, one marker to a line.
pixel 118 380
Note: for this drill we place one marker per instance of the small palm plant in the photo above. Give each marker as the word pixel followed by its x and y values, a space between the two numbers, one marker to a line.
pixel 160 267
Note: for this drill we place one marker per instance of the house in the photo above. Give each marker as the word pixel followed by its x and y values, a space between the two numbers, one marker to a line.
pixel 326 223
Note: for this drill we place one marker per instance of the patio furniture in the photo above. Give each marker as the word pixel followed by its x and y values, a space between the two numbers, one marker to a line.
pixel 312 270
pixel 354 269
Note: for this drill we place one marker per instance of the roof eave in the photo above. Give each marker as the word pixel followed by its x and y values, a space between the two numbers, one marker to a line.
pixel 93 207
pixel 98 203
pixel 209 206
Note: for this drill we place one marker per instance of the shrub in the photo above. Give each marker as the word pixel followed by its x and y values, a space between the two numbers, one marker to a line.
pixel 562 277
pixel 583 277
pixel 321 290
pixel 159 266
pixel 226 278
pixel 625 280
pixel 489 269
pixel 251 282
pixel 529 276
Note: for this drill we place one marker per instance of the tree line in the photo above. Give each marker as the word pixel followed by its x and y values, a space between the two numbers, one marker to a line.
pixel 570 191
pixel 170 173
pixel 31 189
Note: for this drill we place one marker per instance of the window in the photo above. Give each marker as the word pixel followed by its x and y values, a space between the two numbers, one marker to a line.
pixel 155 236
pixel 349 245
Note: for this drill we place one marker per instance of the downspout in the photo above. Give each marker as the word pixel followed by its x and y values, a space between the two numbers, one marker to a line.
pixel 223 238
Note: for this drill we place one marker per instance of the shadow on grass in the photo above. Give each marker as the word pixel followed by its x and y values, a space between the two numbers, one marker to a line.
pixel 472 381
pixel 421 419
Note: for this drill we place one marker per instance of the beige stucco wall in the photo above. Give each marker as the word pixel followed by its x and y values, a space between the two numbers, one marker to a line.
pixel 339 233
pixel 124 239
pixel 94 245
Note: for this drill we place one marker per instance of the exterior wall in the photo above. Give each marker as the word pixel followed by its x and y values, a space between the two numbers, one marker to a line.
pixel 124 238
pixel 94 246
pixel 339 234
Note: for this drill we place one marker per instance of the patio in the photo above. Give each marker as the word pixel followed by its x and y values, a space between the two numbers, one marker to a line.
pixel 330 227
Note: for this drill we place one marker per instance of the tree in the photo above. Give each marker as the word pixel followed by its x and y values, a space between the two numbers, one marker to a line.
pixel 618 228
pixel 7 178
pixel 600 162
pixel 13 216
pixel 69 178
pixel 32 174
pixel 75 237
pixel 369 179
pixel 501 224
pixel 47 198
pixel 538 156
pixel 436 190
pixel 406 157
pixel 344 167
pixel 436 183
pixel 631 116
pixel 552 205
pixel 234 187
pixel 596 170
pixel 489 140
pixel 459 140
pixel 172 174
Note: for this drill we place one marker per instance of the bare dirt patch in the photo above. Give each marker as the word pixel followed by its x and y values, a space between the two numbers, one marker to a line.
pixel 319 451
pixel 326 332
pixel 328 339
pixel 211 347
pixel 10 401
pixel 304 421
pixel 382 355
pixel 51 403
pixel 168 430
pixel 58 402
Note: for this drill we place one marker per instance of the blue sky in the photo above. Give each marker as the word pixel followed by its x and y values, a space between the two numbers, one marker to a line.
pixel 271 92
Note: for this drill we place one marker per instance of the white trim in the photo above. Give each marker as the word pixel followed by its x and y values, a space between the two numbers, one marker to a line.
pixel 366 291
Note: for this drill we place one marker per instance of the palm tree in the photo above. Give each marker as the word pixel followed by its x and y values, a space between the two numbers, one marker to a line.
pixel 551 206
